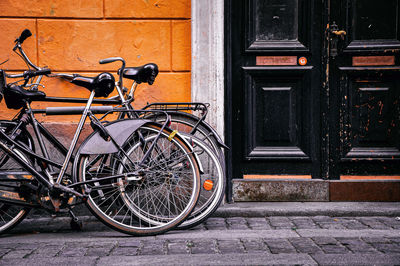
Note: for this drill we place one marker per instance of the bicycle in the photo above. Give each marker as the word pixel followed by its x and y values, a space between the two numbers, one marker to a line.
pixel 213 187
pixel 146 159
pixel 181 121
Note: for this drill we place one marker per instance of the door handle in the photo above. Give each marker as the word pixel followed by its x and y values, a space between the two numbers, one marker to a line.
pixel 340 33
pixel 334 34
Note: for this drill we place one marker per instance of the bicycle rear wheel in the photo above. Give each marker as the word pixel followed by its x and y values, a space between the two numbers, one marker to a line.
pixel 153 197
pixel 212 183
pixel 184 122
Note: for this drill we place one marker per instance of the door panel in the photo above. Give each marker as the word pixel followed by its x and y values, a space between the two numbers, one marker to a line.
pixel 274 128
pixel 275 117
pixel 364 81
pixel 276 25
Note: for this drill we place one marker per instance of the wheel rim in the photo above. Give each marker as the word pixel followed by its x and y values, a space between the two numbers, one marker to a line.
pixel 122 218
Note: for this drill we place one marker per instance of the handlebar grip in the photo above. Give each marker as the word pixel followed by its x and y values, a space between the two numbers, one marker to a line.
pixel 111 59
pixel 34 73
pixel 25 34
pixel 44 71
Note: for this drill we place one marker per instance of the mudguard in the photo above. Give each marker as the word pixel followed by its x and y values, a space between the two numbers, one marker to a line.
pixel 120 130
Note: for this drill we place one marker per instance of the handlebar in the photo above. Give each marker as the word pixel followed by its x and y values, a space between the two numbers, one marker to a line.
pixel 114 59
pixel 30 73
pixel 24 35
pixel 111 59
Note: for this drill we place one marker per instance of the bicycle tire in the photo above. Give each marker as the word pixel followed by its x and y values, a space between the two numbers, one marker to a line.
pixel 119 207
pixel 212 186
pixel 11 215
pixel 184 122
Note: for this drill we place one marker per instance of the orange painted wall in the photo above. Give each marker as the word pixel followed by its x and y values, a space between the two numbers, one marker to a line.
pixel 70 36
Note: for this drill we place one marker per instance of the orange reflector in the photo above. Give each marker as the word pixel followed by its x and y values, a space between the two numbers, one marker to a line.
pixel 208 184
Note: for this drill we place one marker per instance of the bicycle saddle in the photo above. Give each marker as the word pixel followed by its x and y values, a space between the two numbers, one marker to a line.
pixel 15 96
pixel 103 84
pixel 146 73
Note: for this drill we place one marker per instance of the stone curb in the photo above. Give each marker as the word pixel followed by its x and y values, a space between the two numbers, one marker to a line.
pixel 337 209
pixel 264 209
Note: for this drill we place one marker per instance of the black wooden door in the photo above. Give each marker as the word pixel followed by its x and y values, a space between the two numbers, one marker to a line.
pixel 364 88
pixel 274 91
pixel 302 97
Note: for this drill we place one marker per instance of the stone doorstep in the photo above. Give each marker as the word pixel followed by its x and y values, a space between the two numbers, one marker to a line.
pixel 315 190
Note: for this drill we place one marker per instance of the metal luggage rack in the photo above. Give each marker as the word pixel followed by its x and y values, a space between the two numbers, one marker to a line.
pixel 179 106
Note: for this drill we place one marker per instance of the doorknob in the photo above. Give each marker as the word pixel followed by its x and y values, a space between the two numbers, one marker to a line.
pixel 339 33
pixel 333 38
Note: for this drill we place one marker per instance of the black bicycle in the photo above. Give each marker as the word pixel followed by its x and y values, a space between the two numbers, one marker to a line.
pixel 135 175
pixel 205 141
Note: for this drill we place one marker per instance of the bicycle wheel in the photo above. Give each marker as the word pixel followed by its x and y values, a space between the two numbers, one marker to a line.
pixel 154 197
pixel 184 122
pixel 10 215
pixel 212 182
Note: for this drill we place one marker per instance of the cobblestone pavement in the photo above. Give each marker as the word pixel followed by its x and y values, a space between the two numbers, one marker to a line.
pixel 219 241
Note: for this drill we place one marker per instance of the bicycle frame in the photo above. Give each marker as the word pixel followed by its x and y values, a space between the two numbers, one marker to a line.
pixel 39 129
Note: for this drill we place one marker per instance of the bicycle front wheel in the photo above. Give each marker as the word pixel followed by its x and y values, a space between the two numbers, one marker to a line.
pixel 212 183
pixel 10 215
pixel 155 195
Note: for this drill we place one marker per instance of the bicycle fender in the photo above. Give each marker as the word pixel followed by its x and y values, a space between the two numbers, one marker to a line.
pixel 120 130
pixel 186 138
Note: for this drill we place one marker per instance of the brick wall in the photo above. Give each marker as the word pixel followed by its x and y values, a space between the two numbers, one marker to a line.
pixel 70 36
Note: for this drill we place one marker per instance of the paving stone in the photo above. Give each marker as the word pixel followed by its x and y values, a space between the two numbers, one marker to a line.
pixel 331 225
pixel 230 246
pixel 73 252
pixel 254 245
pixel 351 223
pixel 322 219
pixel 129 243
pixel 3 251
pixel 237 223
pixel 153 247
pixel 125 251
pixel 98 251
pixel 212 259
pixel 373 222
pixel 199 227
pixel 9 245
pixel 322 240
pixel 17 254
pixel 394 239
pixel 390 221
pixel 280 222
pixel 258 223
pixel 387 247
pixel 304 223
pixel 203 246
pixel 356 259
pixel 277 246
pixel 215 224
pixel 375 240
pixel 177 247
pixel 334 249
pixel 356 245
pixel 304 245
pixel 47 251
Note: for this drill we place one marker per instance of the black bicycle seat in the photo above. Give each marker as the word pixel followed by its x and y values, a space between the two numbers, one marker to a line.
pixel 15 96
pixel 103 84
pixel 82 81
pixel 23 94
pixel 146 73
